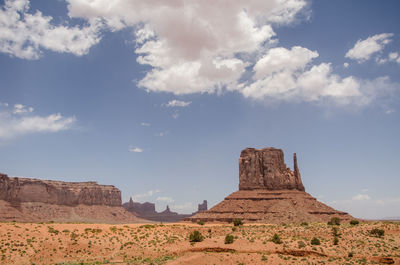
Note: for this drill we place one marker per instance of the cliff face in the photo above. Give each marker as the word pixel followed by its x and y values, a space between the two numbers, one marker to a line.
pixel 19 190
pixel 266 169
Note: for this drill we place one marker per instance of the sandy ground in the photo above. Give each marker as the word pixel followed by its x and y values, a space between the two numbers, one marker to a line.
pixel 77 243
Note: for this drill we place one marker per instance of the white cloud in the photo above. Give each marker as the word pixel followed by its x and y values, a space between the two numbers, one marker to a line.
pixel 145 124
pixel 20 121
pixel 19 109
pixel 361 197
pixel 165 199
pixel 135 150
pixel 193 47
pixel 177 103
pixel 140 196
pixel 286 75
pixel 364 49
pixel 394 57
pixel 346 65
pixel 24 34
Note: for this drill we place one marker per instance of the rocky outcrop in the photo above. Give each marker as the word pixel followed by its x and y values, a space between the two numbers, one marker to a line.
pixel 148 211
pixel 202 206
pixel 142 209
pixel 269 192
pixel 266 169
pixel 35 200
pixel 18 190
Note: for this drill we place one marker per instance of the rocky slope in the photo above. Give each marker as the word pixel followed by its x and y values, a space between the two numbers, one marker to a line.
pixel 269 192
pixel 33 200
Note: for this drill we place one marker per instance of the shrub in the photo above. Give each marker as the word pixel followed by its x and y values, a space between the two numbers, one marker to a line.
pixel 354 222
pixel 200 222
pixel 276 239
pixel 304 224
pixel 196 236
pixel 237 222
pixel 234 228
pixel 377 232
pixel 315 241
pixel 229 239
pixel 334 221
pixel 350 255
pixel 335 232
pixel 301 244
pixel 336 241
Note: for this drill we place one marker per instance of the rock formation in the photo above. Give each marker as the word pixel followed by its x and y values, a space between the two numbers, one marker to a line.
pixel 269 192
pixel 202 206
pixel 266 169
pixel 17 190
pixel 147 210
pixel 27 199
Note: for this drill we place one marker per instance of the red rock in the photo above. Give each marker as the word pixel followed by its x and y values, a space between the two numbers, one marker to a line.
pixel 269 192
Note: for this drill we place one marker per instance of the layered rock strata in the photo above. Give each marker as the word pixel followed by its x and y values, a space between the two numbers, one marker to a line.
pixel 35 200
pixel 269 192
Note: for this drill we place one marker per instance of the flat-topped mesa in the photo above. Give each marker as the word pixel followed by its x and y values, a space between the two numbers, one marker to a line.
pixel 19 190
pixel 266 169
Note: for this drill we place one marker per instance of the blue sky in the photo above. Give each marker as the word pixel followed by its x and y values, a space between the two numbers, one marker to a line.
pixel 159 97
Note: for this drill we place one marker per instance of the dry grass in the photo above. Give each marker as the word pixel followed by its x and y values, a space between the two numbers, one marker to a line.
pixel 76 243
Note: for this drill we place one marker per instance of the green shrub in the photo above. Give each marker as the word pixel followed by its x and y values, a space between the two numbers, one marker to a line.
pixel 276 239
pixel 200 222
pixel 196 236
pixel 350 255
pixel 229 239
pixel 335 232
pixel 334 221
pixel 234 228
pixel 237 222
pixel 315 241
pixel 354 222
pixel 377 232
pixel 304 224
pixel 335 241
pixel 301 244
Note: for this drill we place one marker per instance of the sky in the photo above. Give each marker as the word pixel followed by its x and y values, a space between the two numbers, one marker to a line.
pixel 159 97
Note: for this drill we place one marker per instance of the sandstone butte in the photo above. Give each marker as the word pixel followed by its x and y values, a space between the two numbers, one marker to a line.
pixel 35 200
pixel 269 192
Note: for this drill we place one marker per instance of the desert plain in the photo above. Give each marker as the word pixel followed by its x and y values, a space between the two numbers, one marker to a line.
pixel 84 243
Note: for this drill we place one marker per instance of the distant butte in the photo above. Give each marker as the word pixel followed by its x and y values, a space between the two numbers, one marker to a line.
pixel 269 192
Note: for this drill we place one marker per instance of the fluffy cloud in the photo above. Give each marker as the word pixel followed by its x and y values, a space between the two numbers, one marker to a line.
pixel 364 49
pixel 288 75
pixel 23 34
pixel 177 103
pixel 20 121
pixel 193 47
pixel 145 124
pixel 135 150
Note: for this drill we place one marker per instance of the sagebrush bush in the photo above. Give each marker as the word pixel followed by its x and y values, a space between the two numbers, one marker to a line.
pixel 237 222
pixel 200 222
pixel 276 239
pixel 196 236
pixel 229 239
pixel 354 222
pixel 315 241
pixel 301 244
pixel 377 232
pixel 334 221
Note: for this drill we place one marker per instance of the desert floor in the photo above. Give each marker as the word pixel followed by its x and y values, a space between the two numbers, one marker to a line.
pixel 80 243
